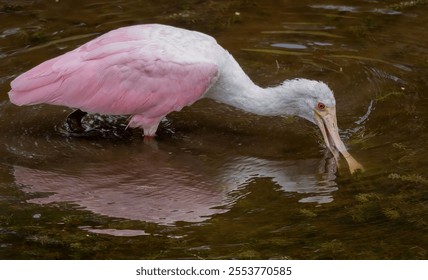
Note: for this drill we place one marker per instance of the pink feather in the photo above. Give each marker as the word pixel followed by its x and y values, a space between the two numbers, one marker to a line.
pixel 134 70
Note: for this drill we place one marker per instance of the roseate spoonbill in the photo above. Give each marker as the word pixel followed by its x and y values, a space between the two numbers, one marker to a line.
pixel 148 71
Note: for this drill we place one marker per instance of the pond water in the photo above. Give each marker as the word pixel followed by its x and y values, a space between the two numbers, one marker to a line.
pixel 219 183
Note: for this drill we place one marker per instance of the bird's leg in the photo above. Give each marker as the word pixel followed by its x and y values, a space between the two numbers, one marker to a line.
pixel 74 121
pixel 150 131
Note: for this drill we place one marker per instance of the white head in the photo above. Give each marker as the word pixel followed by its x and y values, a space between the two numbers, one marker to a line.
pixel 314 101
pixel 306 97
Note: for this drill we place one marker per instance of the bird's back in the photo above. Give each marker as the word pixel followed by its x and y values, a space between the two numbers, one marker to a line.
pixel 150 69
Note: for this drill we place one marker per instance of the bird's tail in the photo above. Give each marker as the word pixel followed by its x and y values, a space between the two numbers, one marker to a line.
pixel 38 85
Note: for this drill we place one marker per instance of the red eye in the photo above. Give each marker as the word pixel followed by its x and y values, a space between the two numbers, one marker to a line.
pixel 321 106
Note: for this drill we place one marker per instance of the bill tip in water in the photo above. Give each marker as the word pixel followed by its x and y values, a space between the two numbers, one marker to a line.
pixel 354 165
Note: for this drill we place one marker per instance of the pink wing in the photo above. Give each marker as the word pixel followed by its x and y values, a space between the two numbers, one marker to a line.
pixel 116 74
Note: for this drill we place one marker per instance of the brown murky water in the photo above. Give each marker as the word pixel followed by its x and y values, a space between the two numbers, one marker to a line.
pixel 220 183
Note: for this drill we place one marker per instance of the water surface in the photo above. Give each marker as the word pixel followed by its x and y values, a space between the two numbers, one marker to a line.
pixel 220 183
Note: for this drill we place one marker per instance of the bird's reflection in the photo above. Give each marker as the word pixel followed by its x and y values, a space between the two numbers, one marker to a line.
pixel 291 176
pixel 161 187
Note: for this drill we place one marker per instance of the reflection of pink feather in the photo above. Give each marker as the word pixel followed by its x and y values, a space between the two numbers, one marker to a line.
pixel 132 70
pixel 154 192
pixel 162 188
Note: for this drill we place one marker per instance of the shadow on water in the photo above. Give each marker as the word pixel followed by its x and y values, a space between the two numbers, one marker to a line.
pixel 219 183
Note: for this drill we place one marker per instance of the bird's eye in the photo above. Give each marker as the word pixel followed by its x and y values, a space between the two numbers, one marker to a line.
pixel 321 106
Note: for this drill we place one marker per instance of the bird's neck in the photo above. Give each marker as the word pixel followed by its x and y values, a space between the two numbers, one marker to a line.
pixel 236 89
